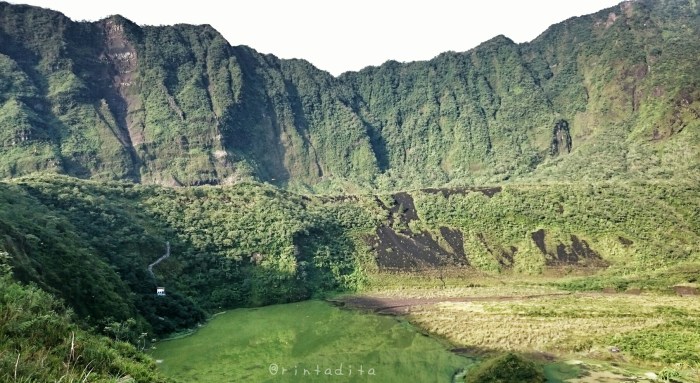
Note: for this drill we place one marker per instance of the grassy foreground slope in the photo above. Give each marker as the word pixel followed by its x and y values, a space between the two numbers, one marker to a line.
pixel 41 342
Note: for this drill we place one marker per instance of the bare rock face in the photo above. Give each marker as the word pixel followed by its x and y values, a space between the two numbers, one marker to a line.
pixel 122 102
pixel 561 139
pixel 122 58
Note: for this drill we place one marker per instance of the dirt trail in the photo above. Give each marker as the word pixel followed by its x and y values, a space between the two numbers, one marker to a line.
pixel 402 305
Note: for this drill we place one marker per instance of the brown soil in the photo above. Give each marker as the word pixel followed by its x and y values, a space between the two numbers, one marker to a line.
pixel 398 248
pixel 401 249
pixel 403 208
pixel 538 237
pixel 455 239
pixel 409 251
pixel 686 290
pixel 403 305
pixel 578 253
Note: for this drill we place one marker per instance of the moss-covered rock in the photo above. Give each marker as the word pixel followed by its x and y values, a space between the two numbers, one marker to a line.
pixel 508 368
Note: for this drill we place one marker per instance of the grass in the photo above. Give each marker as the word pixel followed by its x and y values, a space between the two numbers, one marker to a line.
pixel 453 281
pixel 472 291
pixel 42 341
pixel 650 330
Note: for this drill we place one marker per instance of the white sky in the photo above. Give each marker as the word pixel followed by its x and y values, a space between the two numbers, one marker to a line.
pixel 339 36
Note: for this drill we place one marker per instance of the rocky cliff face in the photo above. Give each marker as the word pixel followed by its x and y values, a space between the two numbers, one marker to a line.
pixel 561 139
pixel 178 105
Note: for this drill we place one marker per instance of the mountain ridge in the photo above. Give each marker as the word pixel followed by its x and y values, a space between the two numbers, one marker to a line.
pixel 575 153
pixel 178 105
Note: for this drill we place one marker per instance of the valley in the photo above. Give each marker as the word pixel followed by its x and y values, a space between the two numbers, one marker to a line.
pixel 568 271
pixel 177 209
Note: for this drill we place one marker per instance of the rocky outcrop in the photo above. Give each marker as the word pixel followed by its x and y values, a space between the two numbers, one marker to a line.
pixel 561 139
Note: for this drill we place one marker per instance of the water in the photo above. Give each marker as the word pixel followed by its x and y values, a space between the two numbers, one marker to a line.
pixel 307 342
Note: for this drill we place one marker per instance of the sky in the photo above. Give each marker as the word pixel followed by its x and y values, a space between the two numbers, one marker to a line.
pixel 339 36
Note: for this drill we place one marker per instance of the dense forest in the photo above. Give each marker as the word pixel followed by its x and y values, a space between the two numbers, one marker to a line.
pixel 575 153
pixel 608 96
pixel 90 243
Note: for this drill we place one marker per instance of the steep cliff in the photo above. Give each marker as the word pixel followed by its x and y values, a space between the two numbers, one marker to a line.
pixel 177 105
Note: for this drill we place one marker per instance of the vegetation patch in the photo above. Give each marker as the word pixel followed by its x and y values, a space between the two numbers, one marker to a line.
pixel 43 341
pixel 646 328
pixel 506 368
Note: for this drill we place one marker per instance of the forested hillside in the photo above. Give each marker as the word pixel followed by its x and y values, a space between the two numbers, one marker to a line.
pixel 90 244
pixel 252 244
pixel 612 95
pixel 577 153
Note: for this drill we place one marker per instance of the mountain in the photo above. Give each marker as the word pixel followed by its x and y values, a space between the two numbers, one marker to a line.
pixel 574 154
pixel 608 96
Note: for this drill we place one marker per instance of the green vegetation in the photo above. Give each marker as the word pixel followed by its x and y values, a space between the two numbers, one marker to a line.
pixel 256 344
pixel 41 342
pixel 661 280
pixel 252 244
pixel 587 138
pixel 249 244
pixel 656 330
pixel 506 368
pixel 633 227
pixel 90 244
pixel 593 98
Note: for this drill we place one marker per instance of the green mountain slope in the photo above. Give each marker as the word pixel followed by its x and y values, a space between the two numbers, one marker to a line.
pixel 42 342
pixel 611 95
pixel 252 244
pixel 90 244
pixel 583 145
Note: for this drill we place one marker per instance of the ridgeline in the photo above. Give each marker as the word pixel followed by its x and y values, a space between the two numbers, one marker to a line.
pixel 608 96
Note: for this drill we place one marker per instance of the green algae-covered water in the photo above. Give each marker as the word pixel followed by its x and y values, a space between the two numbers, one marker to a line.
pixel 309 341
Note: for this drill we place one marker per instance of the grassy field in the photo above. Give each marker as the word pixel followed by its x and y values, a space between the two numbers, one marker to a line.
pixel 568 322
pixel 655 331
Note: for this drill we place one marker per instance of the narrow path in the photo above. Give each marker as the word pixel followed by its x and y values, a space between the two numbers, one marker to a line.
pixel 159 260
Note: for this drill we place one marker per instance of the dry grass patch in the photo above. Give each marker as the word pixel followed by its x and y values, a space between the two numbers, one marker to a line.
pixel 467 292
pixel 586 324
